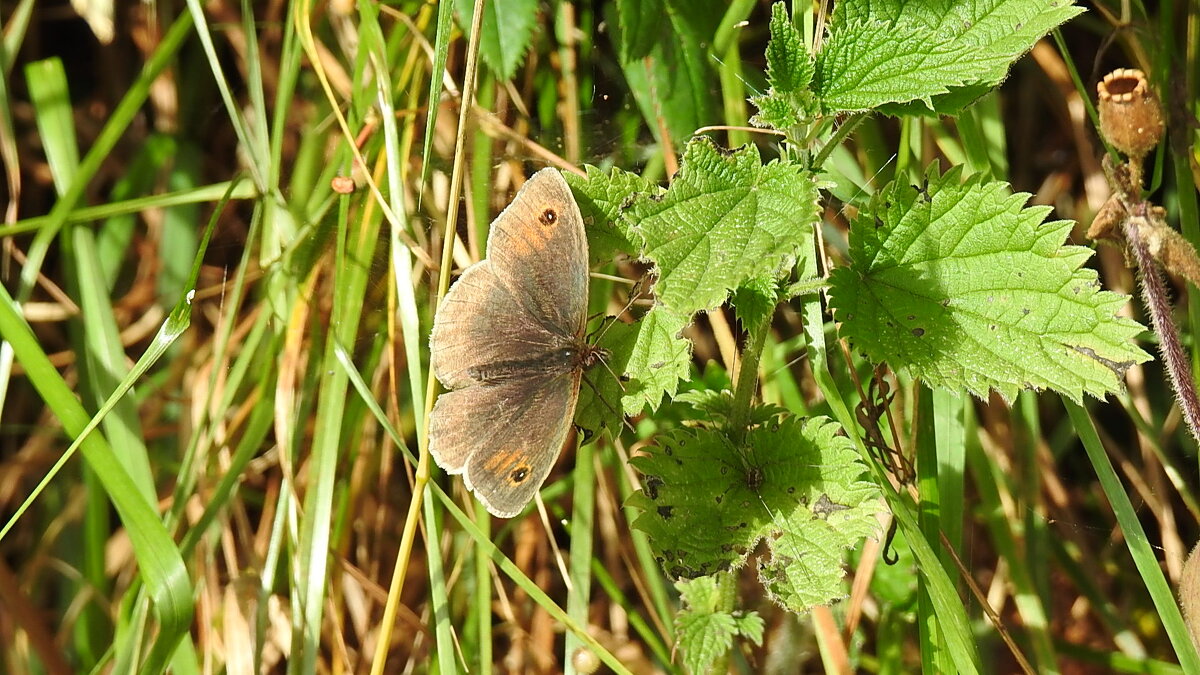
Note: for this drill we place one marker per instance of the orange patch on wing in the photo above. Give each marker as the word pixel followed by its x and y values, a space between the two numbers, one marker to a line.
pixel 503 461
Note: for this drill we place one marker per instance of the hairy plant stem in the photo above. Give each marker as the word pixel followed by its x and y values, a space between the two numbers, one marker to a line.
pixel 747 380
pixel 836 140
pixel 1154 294
pixel 739 422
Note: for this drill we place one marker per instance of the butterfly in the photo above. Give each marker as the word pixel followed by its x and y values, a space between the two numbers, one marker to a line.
pixel 508 343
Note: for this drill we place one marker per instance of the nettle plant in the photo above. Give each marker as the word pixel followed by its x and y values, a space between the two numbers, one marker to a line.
pixel 954 281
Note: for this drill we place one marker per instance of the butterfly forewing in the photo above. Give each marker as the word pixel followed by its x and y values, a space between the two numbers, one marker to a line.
pixel 539 251
pixel 481 322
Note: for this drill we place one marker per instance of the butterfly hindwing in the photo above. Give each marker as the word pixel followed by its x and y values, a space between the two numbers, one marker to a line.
pixel 504 438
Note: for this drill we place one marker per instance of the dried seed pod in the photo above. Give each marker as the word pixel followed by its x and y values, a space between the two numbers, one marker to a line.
pixel 343 185
pixel 1107 223
pixel 585 661
pixel 1131 117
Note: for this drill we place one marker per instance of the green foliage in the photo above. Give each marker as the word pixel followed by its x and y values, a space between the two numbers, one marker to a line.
pixel 726 219
pixel 900 57
pixel 790 71
pixel 710 498
pixel 658 359
pixel 506 32
pixel 672 81
pixel 602 196
pixel 727 223
pixel 963 286
pixel 705 631
pixel 956 282
pixel 992 34
pixel 755 300
pixel 866 64
pixel 651 357
pixel 640 23
pixel 717 406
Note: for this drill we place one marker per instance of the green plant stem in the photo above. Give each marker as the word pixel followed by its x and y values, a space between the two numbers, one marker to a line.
pixel 840 135
pixel 747 379
pixel 483 596
pixel 583 503
pixel 737 12
pixel 743 395
pixel 733 83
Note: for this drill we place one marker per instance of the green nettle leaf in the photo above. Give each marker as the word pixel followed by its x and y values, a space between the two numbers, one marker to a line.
pixel 651 356
pixel 749 625
pixel 790 70
pixel 937 55
pixel 705 633
pixel 725 219
pixel 506 32
pixel 1001 30
pixel 776 111
pixel 716 405
pixel 707 504
pixel 755 300
pixel 966 289
pixel 601 196
pixel 641 23
pixel 866 64
pixel 789 66
pixel 658 360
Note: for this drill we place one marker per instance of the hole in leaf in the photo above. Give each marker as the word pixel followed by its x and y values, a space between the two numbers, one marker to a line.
pixel 652 485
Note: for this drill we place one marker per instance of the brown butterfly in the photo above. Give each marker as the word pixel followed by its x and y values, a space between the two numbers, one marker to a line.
pixel 508 343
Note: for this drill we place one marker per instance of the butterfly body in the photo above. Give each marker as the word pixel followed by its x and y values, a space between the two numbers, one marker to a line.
pixel 569 359
pixel 508 343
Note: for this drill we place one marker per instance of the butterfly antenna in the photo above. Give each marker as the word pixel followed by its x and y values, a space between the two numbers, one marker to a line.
pixel 634 295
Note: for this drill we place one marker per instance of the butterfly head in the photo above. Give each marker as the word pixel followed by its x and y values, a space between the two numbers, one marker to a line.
pixel 589 355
